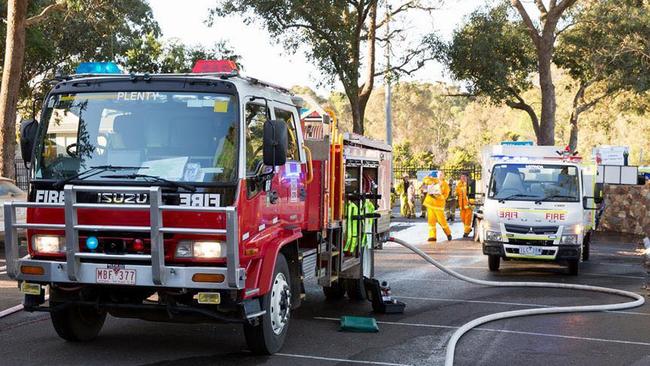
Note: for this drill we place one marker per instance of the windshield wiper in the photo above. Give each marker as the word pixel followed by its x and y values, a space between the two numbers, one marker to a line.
pixel 152 178
pixel 555 196
pixel 92 171
pixel 502 200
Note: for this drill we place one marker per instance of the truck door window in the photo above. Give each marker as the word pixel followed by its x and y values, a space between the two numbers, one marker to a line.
pixel 287 117
pixel 256 115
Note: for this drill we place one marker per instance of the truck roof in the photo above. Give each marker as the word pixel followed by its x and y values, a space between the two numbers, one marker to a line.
pixel 246 86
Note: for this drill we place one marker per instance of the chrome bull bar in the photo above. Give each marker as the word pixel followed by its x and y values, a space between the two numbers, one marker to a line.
pixel 235 276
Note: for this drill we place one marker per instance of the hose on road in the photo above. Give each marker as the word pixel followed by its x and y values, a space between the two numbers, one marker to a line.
pixel 453 341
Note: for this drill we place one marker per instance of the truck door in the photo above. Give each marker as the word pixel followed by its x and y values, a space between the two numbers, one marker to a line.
pixel 261 205
pixel 292 190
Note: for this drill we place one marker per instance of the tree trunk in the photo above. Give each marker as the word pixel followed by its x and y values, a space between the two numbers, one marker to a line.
pixel 13 64
pixel 546 134
pixel 575 114
pixel 358 114
pixel 366 89
pixel 573 138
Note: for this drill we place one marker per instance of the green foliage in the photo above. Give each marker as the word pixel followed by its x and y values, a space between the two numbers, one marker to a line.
pixel 89 30
pixel 609 43
pixel 493 54
pixel 153 55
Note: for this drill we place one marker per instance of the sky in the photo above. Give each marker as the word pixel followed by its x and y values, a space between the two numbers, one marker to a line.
pixel 265 58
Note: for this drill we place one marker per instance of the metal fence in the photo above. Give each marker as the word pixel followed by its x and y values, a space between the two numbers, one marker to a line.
pixel 473 171
pixel 22 175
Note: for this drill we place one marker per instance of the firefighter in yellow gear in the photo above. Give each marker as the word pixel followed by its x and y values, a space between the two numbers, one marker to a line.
pixel 437 191
pixel 405 189
pixel 464 204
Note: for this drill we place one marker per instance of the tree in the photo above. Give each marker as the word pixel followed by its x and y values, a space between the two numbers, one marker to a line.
pixel 17 22
pixel 494 56
pixel 335 33
pixel 152 55
pixel 543 36
pixel 607 52
pixel 56 38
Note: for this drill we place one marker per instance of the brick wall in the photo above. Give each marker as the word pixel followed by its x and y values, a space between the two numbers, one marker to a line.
pixel 627 209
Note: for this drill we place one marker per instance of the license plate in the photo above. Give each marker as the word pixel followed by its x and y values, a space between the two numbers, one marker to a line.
pixel 116 276
pixel 530 251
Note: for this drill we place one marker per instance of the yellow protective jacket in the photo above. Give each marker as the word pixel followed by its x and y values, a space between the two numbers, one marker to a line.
pixel 436 201
pixel 461 192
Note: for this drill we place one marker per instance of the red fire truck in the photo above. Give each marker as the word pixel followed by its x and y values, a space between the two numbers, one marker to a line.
pixel 191 198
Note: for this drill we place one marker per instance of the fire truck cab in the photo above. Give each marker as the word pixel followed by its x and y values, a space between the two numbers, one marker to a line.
pixel 191 198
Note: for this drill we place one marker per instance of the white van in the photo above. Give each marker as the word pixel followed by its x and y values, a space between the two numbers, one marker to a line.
pixel 538 205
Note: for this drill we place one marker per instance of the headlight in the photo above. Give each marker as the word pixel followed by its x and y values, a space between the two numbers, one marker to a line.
pixel 184 249
pixel 208 249
pixel 577 229
pixel 569 239
pixel 492 236
pixel 48 243
pixel 200 249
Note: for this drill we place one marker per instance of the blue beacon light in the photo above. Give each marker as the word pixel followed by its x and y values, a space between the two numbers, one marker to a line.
pixel 92 243
pixel 98 68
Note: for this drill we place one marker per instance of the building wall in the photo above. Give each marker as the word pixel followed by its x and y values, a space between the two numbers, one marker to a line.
pixel 627 209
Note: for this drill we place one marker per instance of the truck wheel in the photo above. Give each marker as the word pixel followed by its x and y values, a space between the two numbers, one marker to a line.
pixel 574 267
pixel 268 336
pixel 355 289
pixel 77 323
pixel 494 261
pixel 586 245
pixel 334 292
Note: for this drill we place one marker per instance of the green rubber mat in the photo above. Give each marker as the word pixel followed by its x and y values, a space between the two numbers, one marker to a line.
pixel 359 324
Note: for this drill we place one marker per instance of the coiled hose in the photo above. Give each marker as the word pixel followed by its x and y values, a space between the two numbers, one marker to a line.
pixel 451 345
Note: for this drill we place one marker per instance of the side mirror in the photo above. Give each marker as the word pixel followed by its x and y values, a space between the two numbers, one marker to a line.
pixel 598 193
pixel 590 203
pixel 28 130
pixel 276 142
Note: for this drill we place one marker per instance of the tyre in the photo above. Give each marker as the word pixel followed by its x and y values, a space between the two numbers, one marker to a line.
pixel 334 292
pixel 355 289
pixel 574 267
pixel 586 245
pixel 77 323
pixel 267 337
pixel 494 261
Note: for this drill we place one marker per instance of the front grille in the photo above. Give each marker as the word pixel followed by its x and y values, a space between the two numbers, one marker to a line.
pixel 530 242
pixel 538 230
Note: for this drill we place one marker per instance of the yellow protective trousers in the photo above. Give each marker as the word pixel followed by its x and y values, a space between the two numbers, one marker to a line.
pixel 436 215
pixel 466 218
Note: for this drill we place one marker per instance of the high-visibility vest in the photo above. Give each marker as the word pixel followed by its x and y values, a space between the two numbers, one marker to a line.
pixel 368 208
pixel 352 226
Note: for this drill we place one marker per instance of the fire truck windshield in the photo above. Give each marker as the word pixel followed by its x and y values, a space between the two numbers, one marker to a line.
pixel 177 136
pixel 534 182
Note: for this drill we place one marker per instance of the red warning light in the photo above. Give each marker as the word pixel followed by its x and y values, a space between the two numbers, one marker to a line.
pixel 215 66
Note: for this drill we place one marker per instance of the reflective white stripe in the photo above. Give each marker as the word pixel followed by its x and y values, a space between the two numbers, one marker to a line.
pixel 506 331
pixel 340 360
pixel 262 227
pixel 245 236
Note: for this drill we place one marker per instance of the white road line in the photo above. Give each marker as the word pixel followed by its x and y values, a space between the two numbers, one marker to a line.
pixel 11 310
pixel 340 360
pixel 3 273
pixel 506 331
pixel 2 268
pixel 16 309
pixel 505 303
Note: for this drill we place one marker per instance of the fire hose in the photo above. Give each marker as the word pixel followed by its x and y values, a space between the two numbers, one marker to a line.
pixel 453 341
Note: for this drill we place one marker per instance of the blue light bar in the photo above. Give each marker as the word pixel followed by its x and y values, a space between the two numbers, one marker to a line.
pixel 517 143
pixel 98 68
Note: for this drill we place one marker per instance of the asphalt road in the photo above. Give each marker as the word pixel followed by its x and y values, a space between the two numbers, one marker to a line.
pixel 436 306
